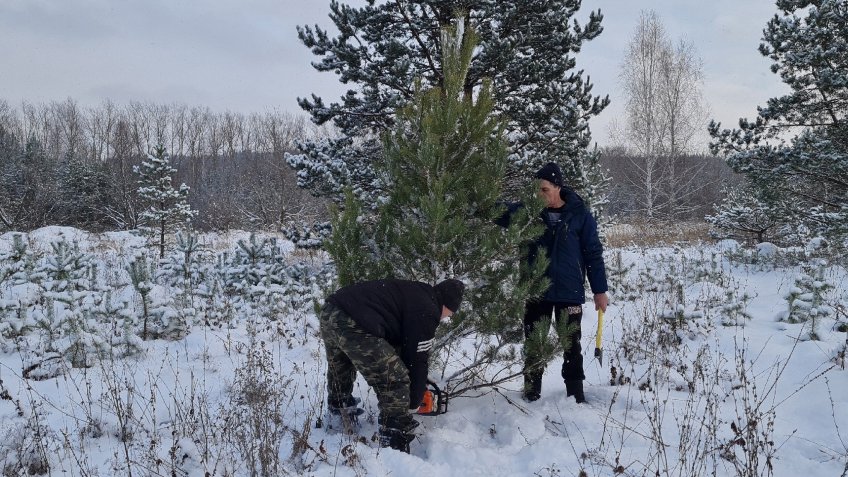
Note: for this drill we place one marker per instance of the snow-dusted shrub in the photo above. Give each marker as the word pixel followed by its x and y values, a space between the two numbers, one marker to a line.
pixel 158 316
pixel 743 216
pixel 186 267
pixel 258 270
pixel 19 311
pixel 256 401
pixel 69 280
pixel 768 256
pixel 17 265
pixel 117 318
pixel 307 236
pixel 806 298
pixel 26 446
pixel 13 323
pixel 622 286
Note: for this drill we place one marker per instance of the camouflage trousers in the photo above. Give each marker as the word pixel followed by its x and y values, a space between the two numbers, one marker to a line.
pixel 350 349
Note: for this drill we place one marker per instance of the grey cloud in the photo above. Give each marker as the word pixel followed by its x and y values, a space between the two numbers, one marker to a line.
pixel 245 55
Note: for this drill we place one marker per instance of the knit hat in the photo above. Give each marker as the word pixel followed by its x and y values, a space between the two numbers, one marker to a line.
pixel 449 293
pixel 551 173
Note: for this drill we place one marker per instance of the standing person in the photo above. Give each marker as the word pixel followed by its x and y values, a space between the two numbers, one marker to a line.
pixel 574 252
pixel 385 329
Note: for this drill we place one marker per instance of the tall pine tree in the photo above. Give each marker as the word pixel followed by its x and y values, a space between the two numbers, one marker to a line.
pixel 166 209
pixel 803 179
pixel 527 49
pixel 445 161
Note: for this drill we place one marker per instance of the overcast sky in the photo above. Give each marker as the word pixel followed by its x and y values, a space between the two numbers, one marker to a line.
pixel 244 55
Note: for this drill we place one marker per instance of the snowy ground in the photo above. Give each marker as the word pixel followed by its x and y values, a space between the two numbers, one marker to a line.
pixel 709 380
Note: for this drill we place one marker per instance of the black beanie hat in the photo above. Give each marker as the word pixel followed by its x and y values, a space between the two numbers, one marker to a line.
pixel 551 173
pixel 449 293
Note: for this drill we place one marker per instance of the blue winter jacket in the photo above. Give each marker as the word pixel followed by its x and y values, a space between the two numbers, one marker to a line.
pixel 574 251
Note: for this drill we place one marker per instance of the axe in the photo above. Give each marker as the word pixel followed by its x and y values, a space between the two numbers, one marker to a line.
pixel 599 352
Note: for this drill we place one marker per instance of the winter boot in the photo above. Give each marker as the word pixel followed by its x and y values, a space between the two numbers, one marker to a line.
pixel 349 405
pixel 398 432
pixel 575 388
pixel 344 415
pixel 532 386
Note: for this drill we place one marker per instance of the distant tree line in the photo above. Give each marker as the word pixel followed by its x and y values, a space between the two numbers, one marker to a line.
pixel 635 195
pixel 63 164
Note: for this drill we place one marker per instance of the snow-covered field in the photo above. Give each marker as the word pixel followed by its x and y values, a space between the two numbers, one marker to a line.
pixel 706 371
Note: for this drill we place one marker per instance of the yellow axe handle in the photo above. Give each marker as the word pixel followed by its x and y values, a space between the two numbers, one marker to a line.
pixel 600 329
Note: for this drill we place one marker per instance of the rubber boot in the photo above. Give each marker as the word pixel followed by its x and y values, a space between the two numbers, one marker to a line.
pixel 575 388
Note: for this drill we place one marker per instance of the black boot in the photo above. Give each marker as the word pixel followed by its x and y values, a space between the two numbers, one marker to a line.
pixel 348 406
pixel 397 432
pixel 575 388
pixel 532 386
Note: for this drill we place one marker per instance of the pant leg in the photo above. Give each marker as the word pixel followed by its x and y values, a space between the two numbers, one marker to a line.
pixel 536 326
pixel 572 364
pixel 341 372
pixel 536 315
pixel 380 365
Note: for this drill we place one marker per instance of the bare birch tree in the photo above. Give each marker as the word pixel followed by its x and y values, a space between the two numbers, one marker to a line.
pixel 664 111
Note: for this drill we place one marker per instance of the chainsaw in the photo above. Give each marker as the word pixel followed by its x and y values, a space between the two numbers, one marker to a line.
pixel 435 401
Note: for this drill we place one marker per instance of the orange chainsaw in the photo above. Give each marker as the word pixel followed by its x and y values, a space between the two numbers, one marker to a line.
pixel 435 401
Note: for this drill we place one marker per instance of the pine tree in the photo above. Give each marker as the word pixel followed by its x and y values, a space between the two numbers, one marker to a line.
pixel 527 50
pixel 69 280
pixel 9 176
pixel 586 176
pixel 807 300
pixel 187 271
pixel 805 178
pixel 141 273
pixel 17 265
pixel 307 236
pixel 742 215
pixel 27 187
pixel 445 160
pixel 83 188
pixel 166 209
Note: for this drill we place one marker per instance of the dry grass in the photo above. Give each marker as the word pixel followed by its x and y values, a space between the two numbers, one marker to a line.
pixel 652 234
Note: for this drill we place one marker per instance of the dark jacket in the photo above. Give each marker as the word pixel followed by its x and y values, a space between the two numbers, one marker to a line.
pixel 573 248
pixel 404 313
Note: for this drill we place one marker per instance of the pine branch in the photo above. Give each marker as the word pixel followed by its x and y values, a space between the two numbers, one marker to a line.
pixel 417 36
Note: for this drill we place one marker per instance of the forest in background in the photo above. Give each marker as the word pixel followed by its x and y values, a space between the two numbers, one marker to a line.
pixel 65 164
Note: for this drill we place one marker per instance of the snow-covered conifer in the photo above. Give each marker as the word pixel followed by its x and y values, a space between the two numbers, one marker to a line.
pixel 806 299
pixel 166 208
pixel 18 265
pixel 159 316
pixel 743 216
pixel 307 236
pixel 141 272
pixel 806 177
pixel 187 268
pixel 68 278
pixel 526 49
